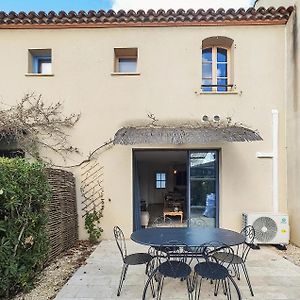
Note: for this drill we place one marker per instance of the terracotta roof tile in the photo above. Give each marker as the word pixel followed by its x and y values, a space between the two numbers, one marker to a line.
pixel 161 17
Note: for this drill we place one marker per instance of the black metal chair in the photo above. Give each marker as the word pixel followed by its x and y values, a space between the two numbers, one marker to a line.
pixel 239 257
pixel 132 259
pixel 172 259
pixel 213 270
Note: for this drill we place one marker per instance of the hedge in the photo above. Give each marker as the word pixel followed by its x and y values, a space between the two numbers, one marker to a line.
pixel 24 196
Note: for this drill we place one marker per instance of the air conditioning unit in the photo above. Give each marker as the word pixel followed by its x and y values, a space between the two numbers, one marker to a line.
pixel 270 228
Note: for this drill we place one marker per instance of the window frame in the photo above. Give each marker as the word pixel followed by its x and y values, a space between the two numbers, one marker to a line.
pixel 36 56
pixel 160 180
pixel 125 53
pixel 214 62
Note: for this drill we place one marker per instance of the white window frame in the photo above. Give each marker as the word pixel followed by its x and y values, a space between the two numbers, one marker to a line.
pixel 214 68
pixel 160 180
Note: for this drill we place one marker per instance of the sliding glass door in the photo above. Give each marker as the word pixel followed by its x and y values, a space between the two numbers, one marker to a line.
pixel 203 189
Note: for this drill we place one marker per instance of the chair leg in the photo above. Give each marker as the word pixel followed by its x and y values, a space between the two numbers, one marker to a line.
pixel 149 269
pixel 189 288
pixel 247 278
pixel 160 287
pixel 225 288
pixel 122 278
pixel 238 275
pixel 198 290
pixel 234 267
pixel 152 287
pixel 216 290
pixel 194 284
pixel 228 289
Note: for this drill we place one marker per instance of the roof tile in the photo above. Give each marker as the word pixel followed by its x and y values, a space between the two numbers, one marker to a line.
pixel 260 15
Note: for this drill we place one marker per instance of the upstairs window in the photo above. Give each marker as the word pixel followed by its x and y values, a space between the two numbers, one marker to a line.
pixel 217 65
pixel 215 69
pixel 40 61
pixel 126 60
pixel 160 180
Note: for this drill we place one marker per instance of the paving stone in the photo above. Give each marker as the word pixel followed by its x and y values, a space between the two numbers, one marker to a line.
pixel 272 277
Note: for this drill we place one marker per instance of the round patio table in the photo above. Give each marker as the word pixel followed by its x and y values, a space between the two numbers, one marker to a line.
pixel 190 236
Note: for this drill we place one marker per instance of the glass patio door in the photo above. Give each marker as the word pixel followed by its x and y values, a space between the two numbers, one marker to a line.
pixel 203 188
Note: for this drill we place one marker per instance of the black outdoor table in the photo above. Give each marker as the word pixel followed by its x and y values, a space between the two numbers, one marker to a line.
pixel 190 236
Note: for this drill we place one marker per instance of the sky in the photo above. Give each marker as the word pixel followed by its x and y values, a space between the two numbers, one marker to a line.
pixel 76 5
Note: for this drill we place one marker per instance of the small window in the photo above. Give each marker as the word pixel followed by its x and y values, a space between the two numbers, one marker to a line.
pixel 40 61
pixel 216 65
pixel 126 60
pixel 160 180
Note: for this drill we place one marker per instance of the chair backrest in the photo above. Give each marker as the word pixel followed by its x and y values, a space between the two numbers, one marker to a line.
pixel 249 233
pixel 120 240
pixel 213 247
pixel 172 254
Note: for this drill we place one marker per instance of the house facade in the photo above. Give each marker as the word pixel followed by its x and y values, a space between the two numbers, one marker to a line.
pixel 164 86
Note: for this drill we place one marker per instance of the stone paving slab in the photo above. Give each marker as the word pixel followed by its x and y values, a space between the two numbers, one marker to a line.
pixel 272 277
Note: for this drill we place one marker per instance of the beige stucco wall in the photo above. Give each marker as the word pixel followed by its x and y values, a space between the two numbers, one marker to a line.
pixel 293 127
pixel 275 3
pixel 293 114
pixel 170 74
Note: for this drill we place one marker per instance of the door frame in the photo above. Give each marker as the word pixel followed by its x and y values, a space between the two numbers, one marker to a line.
pixel 188 192
pixel 217 151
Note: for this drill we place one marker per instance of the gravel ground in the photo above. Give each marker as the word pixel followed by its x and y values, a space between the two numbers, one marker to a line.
pixel 292 254
pixel 54 276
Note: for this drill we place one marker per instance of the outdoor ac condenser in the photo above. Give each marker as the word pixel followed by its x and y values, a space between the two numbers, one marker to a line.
pixel 270 228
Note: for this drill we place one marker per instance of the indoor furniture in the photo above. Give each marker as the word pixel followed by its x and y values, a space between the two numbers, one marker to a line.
pixel 173 213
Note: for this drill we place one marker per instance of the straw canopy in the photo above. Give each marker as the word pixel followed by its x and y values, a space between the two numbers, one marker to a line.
pixel 184 134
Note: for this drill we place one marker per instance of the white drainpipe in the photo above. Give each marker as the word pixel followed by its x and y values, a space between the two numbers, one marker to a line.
pixel 274 156
pixel 275 161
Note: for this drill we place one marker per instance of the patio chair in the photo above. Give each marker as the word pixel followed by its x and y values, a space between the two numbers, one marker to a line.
pixel 129 260
pixel 218 273
pixel 172 258
pixel 240 255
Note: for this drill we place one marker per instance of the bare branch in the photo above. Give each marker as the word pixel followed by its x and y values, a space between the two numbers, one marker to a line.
pixel 31 124
pixel 153 118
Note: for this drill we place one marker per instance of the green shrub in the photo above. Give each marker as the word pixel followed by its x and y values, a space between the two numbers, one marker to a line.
pixel 91 224
pixel 24 195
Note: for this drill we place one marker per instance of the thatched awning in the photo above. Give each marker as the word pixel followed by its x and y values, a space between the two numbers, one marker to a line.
pixel 184 134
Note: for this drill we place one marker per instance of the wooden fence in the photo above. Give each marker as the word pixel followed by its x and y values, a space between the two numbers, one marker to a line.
pixel 63 220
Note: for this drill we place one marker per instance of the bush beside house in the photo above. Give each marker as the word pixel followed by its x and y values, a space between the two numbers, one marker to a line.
pixel 24 197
